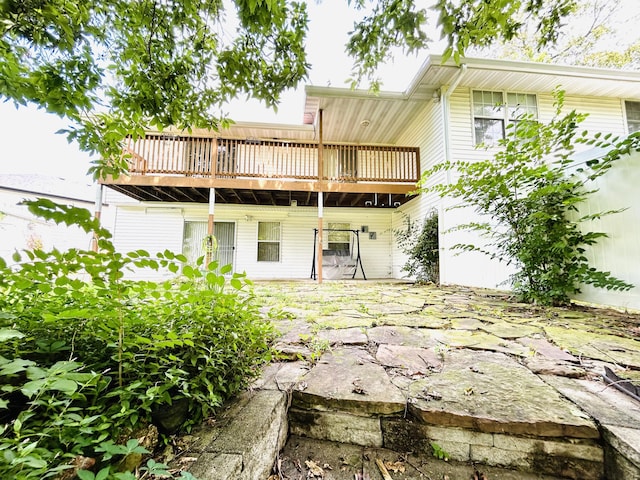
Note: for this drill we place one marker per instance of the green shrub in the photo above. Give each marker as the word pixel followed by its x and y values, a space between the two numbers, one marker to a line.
pixel 419 241
pixel 528 197
pixel 87 357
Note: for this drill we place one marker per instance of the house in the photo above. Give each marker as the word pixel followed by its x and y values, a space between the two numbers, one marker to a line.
pixel 19 229
pixel 284 200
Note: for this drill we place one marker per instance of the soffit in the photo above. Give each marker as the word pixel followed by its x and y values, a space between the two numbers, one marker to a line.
pixel 525 77
pixel 390 113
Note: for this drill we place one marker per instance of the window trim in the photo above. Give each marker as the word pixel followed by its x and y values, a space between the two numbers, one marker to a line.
pixel 505 118
pixel 279 242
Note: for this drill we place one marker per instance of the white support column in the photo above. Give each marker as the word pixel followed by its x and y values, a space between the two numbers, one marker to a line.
pixel 97 214
pixel 320 242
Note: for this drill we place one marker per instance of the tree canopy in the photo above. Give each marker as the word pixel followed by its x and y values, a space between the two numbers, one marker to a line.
pixel 598 33
pixel 116 67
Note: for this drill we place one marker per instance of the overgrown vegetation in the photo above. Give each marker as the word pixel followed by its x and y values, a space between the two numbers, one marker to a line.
pixel 419 241
pixel 87 357
pixel 529 195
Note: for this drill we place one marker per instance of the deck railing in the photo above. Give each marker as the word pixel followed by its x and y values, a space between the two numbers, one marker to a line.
pixel 158 154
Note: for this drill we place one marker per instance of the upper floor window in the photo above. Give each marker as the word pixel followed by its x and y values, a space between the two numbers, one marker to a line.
pixel 633 116
pixel 268 241
pixel 493 111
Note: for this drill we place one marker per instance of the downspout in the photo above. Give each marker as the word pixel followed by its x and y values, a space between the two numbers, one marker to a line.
pixel 445 94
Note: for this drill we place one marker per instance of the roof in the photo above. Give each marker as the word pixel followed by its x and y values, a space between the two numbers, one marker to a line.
pixel 36 184
pixel 346 110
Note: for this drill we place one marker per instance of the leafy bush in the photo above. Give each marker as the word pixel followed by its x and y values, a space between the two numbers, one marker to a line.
pixel 87 357
pixel 530 190
pixel 420 243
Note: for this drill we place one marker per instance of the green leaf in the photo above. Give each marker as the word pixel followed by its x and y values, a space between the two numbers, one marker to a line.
pixel 15 366
pixel 103 474
pixel 64 385
pixel 9 333
pixel 89 475
pixel 31 388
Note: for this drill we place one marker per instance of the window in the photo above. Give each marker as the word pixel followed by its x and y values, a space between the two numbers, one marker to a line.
pixel 268 241
pixel 490 115
pixel 633 116
pixel 339 241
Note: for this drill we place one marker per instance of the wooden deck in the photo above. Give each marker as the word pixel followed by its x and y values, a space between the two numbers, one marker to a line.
pixel 181 168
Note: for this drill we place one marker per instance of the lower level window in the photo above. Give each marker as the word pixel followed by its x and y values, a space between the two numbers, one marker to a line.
pixel 268 241
pixel 338 237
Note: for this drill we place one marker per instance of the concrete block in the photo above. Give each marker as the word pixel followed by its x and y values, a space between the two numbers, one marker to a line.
pixel 593 452
pixel 458 435
pixel 624 440
pixel 256 434
pixel 500 456
pixel 217 466
pixel 538 461
pixel 336 427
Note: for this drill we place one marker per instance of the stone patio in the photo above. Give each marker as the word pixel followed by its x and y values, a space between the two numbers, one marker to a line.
pixel 402 372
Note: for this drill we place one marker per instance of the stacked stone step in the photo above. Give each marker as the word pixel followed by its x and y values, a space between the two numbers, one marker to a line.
pixel 477 406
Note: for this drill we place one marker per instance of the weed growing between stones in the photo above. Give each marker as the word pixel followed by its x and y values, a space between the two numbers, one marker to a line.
pixel 439 452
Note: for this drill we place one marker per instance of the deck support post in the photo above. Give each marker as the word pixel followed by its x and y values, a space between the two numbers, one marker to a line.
pixel 320 194
pixel 209 244
pixel 97 214
pixel 320 214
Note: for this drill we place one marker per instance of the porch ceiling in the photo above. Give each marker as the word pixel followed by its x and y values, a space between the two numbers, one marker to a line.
pixel 281 198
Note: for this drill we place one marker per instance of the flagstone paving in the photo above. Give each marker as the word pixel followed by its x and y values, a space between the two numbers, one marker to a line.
pixel 399 372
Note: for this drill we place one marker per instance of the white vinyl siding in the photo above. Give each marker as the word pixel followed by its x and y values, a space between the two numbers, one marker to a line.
pixel 426 132
pixel 633 116
pixel 269 241
pixel 618 253
pixel 605 115
pixel 151 229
